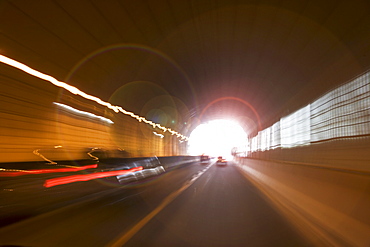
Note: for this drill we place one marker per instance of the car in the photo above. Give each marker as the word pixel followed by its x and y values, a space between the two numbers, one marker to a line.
pixel 221 161
pixel 204 158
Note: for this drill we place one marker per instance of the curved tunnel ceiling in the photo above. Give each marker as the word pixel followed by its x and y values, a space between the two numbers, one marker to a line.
pixel 241 59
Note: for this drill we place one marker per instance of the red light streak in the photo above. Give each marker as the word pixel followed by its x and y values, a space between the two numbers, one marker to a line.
pixel 86 177
pixel 16 173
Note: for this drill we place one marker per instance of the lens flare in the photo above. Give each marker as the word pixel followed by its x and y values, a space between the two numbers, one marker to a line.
pixel 238 100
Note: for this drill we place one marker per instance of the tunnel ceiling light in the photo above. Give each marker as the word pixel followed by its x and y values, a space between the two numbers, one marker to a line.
pixel 76 91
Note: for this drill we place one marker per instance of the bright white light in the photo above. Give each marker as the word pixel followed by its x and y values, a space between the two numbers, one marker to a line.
pixel 216 138
pixel 89 114
pixel 160 135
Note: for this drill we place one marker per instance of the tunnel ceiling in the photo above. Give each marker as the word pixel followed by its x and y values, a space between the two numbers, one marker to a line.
pixel 214 58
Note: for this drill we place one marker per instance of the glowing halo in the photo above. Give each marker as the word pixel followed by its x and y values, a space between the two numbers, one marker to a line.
pixel 134 46
pixel 236 99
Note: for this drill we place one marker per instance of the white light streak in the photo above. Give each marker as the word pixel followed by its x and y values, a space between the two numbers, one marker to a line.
pixel 160 135
pixel 76 91
pixel 85 113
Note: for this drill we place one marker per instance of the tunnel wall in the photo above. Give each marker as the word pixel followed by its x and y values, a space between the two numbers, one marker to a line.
pixel 333 130
pixel 351 154
pixel 41 121
pixel 328 206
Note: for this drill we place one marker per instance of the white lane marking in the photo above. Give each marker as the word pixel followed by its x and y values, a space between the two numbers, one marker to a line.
pixel 125 237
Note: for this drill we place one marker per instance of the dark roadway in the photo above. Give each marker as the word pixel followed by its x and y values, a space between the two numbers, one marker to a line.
pixel 196 205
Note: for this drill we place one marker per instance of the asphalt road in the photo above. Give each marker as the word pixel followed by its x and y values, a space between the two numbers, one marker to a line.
pixel 196 205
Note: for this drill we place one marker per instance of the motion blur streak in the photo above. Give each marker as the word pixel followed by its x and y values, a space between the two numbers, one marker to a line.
pixel 160 135
pixel 76 91
pixel 36 152
pixel 92 156
pixel 107 120
pixel 86 177
pixel 15 173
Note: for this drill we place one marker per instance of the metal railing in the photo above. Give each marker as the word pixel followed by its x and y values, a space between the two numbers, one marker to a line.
pixel 341 113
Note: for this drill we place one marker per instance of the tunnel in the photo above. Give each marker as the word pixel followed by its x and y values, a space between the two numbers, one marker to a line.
pixel 101 101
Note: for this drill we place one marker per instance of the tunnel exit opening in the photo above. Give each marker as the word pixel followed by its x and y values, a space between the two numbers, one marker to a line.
pixel 217 138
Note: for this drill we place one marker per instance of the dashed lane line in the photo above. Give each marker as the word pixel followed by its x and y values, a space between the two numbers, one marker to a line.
pixel 125 237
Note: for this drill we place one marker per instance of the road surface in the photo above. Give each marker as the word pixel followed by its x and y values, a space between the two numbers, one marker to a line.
pixel 196 205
